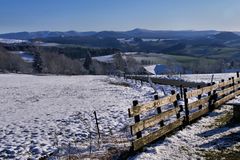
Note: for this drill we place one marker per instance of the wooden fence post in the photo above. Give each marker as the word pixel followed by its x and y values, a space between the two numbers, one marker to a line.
pixel 209 93
pixel 159 110
pixel 137 119
pixel 96 119
pixel 236 113
pixel 233 83
pixel 214 99
pixel 222 88
pixel 212 78
pixel 210 99
pixel 181 90
pixel 238 80
pixel 186 107
pixel 175 103
pixel 199 97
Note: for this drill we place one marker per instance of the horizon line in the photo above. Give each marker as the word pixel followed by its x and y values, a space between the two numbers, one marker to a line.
pixel 168 30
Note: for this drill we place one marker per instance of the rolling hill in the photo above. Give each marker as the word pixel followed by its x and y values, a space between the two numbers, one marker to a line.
pixel 141 33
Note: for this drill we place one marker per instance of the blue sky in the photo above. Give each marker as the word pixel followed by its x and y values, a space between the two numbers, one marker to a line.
pixel 120 15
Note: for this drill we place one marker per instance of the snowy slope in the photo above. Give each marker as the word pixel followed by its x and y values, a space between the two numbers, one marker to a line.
pixel 11 41
pixel 207 77
pixel 40 113
pixel 106 59
pixel 200 77
pixel 150 69
pixel 37 109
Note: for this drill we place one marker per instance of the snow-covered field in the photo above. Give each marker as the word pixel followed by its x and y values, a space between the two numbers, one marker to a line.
pixel 12 41
pixel 40 113
pixel 37 111
pixel 106 59
pixel 217 77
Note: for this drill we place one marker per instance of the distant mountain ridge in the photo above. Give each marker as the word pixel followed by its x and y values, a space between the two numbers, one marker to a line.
pixel 43 34
pixel 140 33
pixel 227 36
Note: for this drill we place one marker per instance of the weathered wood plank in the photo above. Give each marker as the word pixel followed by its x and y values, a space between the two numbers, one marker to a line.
pixel 225 91
pixel 141 125
pixel 198 102
pixel 195 93
pixel 198 114
pixel 136 110
pixel 139 143
pixel 153 120
pixel 226 98
pixel 177 82
pixel 237 85
pixel 225 83
pixel 165 81
pixel 228 90
pixel 204 90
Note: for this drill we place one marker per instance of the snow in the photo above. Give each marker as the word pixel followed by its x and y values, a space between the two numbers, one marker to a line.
pixel 130 53
pixel 110 58
pixel 106 59
pixel 207 77
pixel 27 57
pixel 39 43
pixel 11 41
pixel 40 114
pixel 151 69
pixel 150 39
pixel 124 40
pixel 37 112
pixel 157 69
pixel 198 77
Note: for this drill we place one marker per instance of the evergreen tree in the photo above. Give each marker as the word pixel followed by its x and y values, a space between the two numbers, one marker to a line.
pixel 88 61
pixel 37 63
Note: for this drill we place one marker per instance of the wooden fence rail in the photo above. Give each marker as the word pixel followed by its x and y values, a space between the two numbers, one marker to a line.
pixel 165 81
pixel 170 108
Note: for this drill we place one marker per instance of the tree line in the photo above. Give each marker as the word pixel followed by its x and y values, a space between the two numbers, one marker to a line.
pixel 49 60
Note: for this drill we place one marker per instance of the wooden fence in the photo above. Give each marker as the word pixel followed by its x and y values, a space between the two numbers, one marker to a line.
pixel 180 110
pixel 165 81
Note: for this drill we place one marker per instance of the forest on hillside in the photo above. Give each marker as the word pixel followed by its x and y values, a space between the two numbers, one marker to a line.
pixel 65 60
